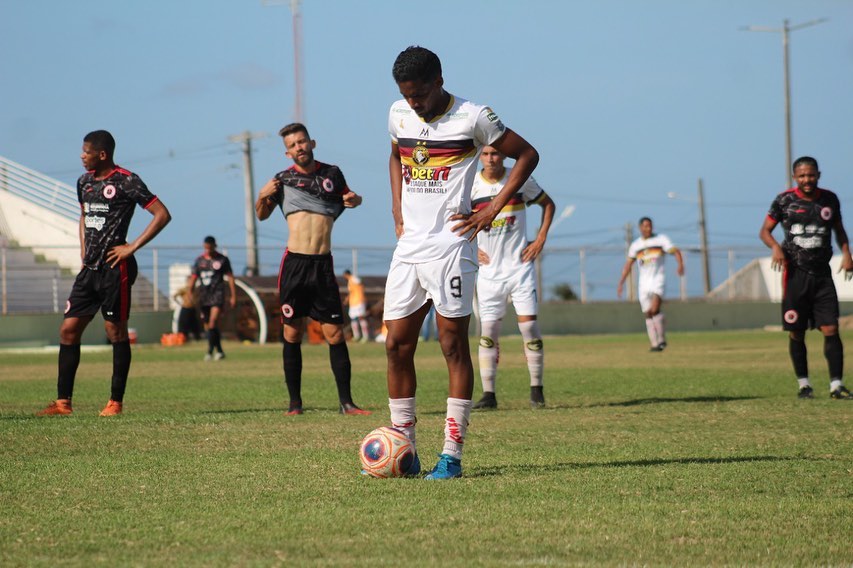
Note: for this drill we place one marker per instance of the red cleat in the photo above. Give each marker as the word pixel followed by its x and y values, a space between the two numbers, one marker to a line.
pixel 351 409
pixel 112 408
pixel 60 407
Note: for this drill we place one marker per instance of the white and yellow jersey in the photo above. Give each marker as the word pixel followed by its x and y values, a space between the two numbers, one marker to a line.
pixel 507 237
pixel 439 160
pixel 649 254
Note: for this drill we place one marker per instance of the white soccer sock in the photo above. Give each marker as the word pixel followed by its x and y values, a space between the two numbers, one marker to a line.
pixel 660 327
pixel 652 330
pixel 403 416
pixel 533 350
pixel 489 353
pixel 455 426
pixel 354 325
pixel 805 383
pixel 835 384
pixel 365 328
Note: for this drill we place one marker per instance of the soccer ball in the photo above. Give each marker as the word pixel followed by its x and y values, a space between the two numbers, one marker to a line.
pixel 386 452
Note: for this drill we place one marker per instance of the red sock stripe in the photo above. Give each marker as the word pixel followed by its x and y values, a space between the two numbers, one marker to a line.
pixel 124 307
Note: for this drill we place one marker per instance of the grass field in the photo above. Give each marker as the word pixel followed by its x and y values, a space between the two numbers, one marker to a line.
pixel 699 455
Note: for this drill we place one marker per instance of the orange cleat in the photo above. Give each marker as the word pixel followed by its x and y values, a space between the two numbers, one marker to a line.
pixel 351 409
pixel 60 407
pixel 112 408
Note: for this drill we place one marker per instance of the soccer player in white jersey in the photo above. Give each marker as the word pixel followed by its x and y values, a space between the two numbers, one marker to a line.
pixel 506 272
pixel 648 251
pixel 435 140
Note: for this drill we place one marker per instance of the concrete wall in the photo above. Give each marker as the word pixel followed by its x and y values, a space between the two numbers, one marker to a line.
pixel 39 330
pixel 625 317
pixel 38 227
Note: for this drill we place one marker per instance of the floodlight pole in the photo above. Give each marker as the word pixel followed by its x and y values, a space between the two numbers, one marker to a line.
pixel 703 240
pixel 785 30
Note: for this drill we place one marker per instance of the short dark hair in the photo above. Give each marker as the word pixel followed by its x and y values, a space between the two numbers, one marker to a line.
pixel 347 272
pixel 807 160
pixel 102 141
pixel 644 219
pixel 209 240
pixel 293 128
pixel 416 63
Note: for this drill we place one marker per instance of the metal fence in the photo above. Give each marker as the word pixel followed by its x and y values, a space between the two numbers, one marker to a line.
pixel 30 284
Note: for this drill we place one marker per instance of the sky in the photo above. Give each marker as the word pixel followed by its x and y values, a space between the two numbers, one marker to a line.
pixel 627 102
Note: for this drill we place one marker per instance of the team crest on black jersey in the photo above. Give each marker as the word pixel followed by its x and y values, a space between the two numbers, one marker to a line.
pixel 420 154
pixel 826 213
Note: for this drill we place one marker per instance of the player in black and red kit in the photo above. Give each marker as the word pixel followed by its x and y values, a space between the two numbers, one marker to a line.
pixel 108 196
pixel 312 195
pixel 808 215
pixel 210 269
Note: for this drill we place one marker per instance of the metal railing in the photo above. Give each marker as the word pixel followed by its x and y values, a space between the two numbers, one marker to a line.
pixel 39 189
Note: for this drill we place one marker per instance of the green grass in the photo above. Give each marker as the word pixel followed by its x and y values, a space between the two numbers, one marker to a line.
pixel 699 455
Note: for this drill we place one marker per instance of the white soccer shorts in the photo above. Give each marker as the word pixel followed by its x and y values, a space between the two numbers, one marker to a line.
pixel 647 292
pixel 448 282
pixel 492 295
pixel 358 311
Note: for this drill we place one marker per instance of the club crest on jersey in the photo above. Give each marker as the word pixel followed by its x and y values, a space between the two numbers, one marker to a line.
pixel 420 155
pixel 328 185
pixel 216 265
pixel 826 213
pixel 109 191
pixel 287 311
pixel 791 316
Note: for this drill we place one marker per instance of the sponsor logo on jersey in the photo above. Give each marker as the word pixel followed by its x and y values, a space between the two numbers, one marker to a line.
pixel 287 310
pixel 826 213
pixel 424 133
pixel 96 207
pixel 94 222
pixel 420 155
pixel 109 191
pixel 791 316
pixel 491 116
pixel 426 174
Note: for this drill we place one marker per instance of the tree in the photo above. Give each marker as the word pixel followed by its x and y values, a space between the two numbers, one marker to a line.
pixel 564 291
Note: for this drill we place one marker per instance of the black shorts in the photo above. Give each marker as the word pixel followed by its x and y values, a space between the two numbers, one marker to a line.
pixel 107 289
pixel 808 300
pixel 307 286
pixel 212 297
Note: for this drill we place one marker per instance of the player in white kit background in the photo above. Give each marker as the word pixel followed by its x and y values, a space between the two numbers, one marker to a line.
pixel 507 273
pixel 435 141
pixel 649 252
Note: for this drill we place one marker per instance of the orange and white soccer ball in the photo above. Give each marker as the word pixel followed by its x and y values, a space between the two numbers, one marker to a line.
pixel 386 452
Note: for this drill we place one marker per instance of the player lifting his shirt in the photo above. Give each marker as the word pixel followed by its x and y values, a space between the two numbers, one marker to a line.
pixel 312 195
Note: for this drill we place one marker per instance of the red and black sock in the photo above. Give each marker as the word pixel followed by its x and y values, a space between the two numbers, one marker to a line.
pixel 799 357
pixel 291 355
pixel 69 360
pixel 342 369
pixel 833 350
pixel 121 369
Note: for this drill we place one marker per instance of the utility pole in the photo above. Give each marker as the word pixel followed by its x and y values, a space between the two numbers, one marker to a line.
pixel 703 240
pixel 249 184
pixel 785 30
pixel 629 238
pixel 298 105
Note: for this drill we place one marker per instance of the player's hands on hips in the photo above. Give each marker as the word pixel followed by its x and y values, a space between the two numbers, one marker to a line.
pixel 118 253
pixel 777 259
pixel 532 251
pixel 482 257
pixel 474 222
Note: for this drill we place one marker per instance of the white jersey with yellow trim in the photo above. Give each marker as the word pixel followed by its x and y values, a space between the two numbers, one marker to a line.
pixel 507 237
pixel 649 254
pixel 439 160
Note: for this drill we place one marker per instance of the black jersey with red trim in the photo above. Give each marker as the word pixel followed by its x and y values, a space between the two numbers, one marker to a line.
pixel 211 272
pixel 108 205
pixel 320 191
pixel 808 227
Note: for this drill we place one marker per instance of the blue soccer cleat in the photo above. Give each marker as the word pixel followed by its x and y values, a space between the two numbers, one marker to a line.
pixel 447 467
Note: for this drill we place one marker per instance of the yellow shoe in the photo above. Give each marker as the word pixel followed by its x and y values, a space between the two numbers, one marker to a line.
pixel 112 408
pixel 60 407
